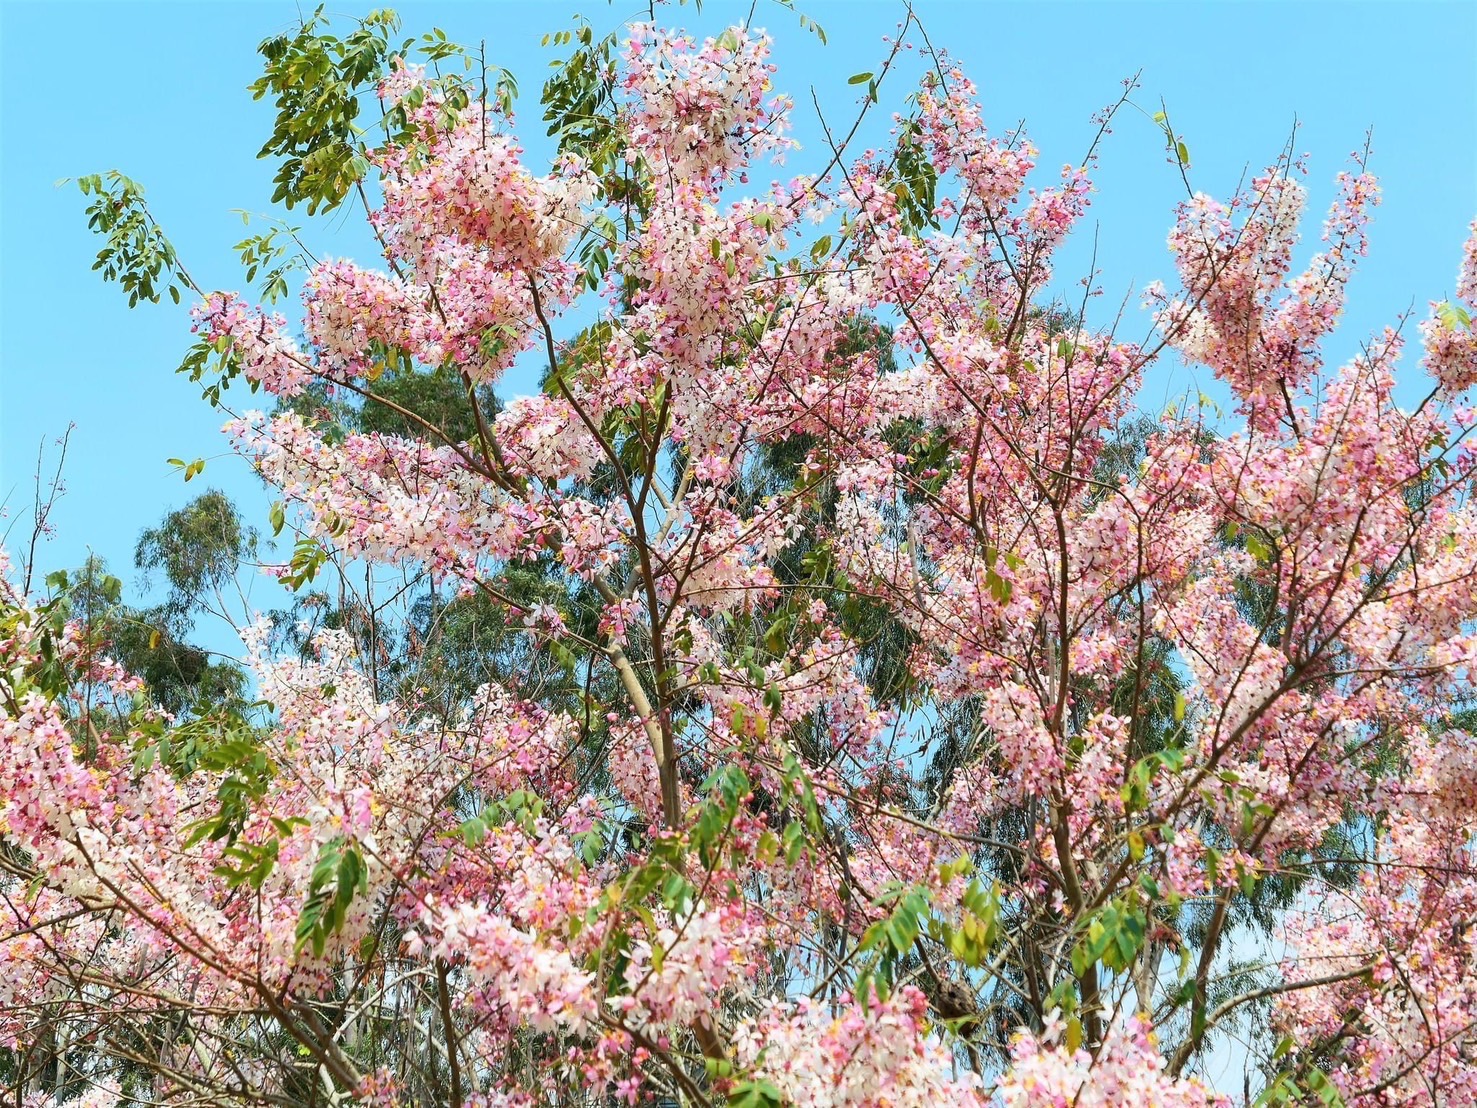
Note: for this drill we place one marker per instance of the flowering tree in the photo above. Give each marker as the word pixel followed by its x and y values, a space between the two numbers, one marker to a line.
pixel 901 717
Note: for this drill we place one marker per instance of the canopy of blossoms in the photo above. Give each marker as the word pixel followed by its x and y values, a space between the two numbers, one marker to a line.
pixel 1150 677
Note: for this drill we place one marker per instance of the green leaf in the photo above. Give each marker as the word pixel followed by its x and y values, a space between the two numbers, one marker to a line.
pixel 859 78
pixel 1282 1091
pixel 773 699
pixel 718 1068
pixel 1327 1092
pixel 338 875
pixel 1258 547
pixel 754 1094
pixel 793 840
pixel 136 253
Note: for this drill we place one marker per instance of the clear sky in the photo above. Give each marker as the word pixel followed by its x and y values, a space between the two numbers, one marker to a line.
pixel 158 91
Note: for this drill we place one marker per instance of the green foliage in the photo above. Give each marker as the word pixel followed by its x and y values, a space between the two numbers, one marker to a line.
pixel 578 99
pixel 912 917
pixel 216 360
pixel 520 807
pixel 198 549
pixel 1135 791
pixel 580 110
pixel 190 470
pixel 248 863
pixel 439 397
pixel 308 557
pixel 271 253
pixel 1173 142
pixel 1113 936
pixel 317 81
pixel 894 935
pixel 52 677
pixel 915 181
pixel 975 937
pixel 182 678
pixel 754 1093
pixel 1289 1088
pixel 338 875
pixel 1453 316
pixel 136 254
pixel 320 84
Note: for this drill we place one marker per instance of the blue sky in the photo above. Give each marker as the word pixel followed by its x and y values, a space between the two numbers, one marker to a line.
pixel 158 91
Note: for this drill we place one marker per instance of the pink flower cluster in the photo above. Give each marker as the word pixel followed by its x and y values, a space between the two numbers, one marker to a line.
pixel 698 111
pixel 854 1055
pixel 1127 1070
